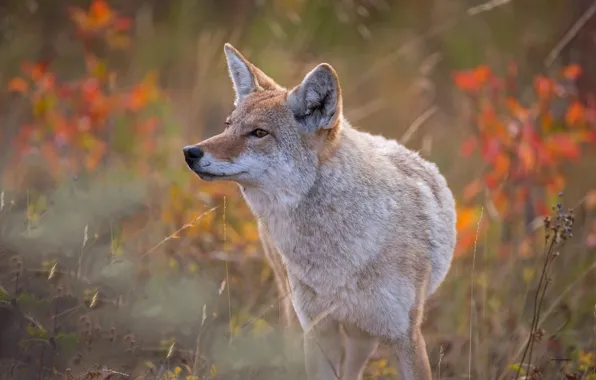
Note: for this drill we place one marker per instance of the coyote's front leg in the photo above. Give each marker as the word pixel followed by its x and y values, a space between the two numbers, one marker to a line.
pixel 288 317
pixel 411 351
pixel 323 351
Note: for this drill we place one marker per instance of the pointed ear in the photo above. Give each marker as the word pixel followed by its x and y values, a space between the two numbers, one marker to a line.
pixel 317 102
pixel 247 78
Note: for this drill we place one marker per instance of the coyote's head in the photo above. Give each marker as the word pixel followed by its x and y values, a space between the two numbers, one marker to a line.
pixel 275 138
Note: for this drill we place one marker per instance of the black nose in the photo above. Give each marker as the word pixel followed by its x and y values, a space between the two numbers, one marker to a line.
pixel 193 153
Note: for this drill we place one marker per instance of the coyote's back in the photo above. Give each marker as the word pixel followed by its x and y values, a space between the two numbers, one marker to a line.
pixel 364 226
pixel 434 205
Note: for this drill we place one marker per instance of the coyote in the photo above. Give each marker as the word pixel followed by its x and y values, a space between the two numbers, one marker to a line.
pixel 364 226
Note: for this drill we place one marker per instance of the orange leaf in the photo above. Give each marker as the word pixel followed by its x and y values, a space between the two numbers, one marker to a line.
pixel 572 72
pixel 591 237
pixel 575 113
pixel 556 184
pixel 516 109
pixel 18 85
pixel 471 190
pixel 100 13
pixel 466 218
pixel 563 145
pixel 526 156
pixel 546 122
pixel 590 200
pixel 80 18
pixel 521 195
pixel 118 40
pixel 35 70
pixel 481 74
pixel 500 202
pixel 50 156
pixel 525 248
pixel 502 163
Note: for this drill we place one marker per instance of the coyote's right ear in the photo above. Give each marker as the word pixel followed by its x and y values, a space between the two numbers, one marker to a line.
pixel 316 102
pixel 247 78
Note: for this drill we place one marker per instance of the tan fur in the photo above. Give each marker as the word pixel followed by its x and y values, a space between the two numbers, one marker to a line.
pixel 364 227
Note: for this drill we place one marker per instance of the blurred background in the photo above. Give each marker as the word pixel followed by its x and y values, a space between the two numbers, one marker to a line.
pixel 117 262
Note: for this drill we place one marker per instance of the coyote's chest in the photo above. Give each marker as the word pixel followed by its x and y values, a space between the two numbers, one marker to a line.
pixel 321 249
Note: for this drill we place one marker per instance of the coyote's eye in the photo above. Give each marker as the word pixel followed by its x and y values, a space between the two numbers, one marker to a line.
pixel 228 121
pixel 260 133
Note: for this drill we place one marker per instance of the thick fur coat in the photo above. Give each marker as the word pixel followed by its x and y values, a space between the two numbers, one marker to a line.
pixel 364 226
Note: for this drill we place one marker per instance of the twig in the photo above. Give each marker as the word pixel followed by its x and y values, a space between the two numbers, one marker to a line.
pixel 318 319
pixel 488 6
pixel 174 235
pixel 417 124
pixel 548 248
pixel 472 293
pixel 571 33
pixel 85 238
pixel 271 306
pixel 227 273
pixel 441 28
pixel 441 354
pixel 556 302
pixel 554 236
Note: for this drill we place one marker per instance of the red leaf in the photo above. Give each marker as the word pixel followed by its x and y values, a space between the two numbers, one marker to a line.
pixel 488 115
pixel 466 81
pixel 465 241
pixel 544 87
pixel 512 69
pixel 541 208
pixel 64 91
pixel 490 149
pixel 90 90
pixel 123 23
pixel 468 146
pixel 490 181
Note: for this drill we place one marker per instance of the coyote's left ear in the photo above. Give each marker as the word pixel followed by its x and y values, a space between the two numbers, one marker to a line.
pixel 316 102
pixel 247 78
